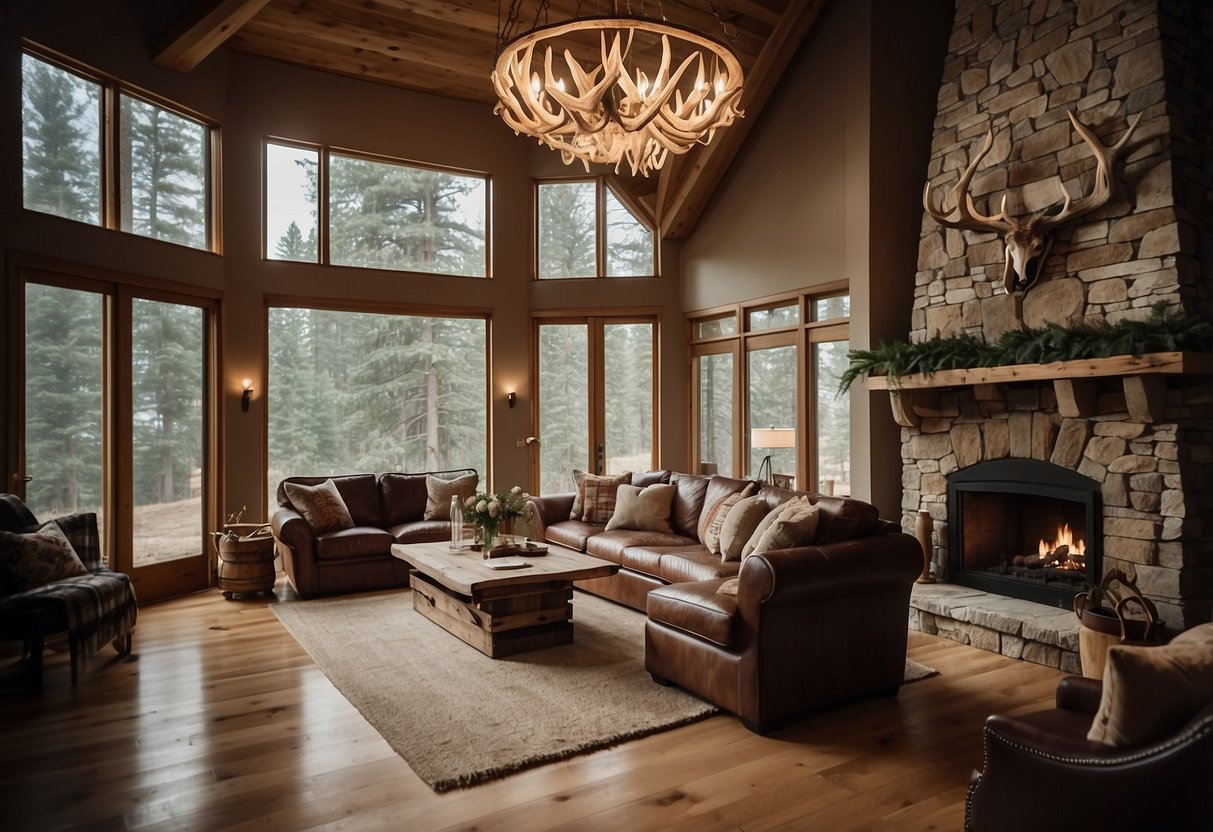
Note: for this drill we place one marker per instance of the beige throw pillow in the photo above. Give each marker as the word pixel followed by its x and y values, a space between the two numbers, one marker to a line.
pixel 729 587
pixel 766 523
pixel 438 494
pixel 321 506
pixel 739 525
pixel 1150 692
pixel 35 559
pixel 795 527
pixel 643 509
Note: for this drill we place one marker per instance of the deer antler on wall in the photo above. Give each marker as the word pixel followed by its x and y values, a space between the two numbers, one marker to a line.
pixel 1028 242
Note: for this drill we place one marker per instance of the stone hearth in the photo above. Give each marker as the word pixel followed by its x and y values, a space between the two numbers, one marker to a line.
pixel 1014 628
pixel 1019 66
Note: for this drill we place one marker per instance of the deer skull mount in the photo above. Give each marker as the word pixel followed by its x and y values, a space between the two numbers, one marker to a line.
pixel 1028 241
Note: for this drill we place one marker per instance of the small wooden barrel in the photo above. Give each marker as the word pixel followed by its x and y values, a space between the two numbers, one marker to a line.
pixel 245 564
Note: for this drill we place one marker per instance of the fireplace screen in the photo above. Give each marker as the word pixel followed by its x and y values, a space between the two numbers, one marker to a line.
pixel 1025 529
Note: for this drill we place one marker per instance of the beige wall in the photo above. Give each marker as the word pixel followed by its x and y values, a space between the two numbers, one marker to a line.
pixel 827 187
pixel 254 98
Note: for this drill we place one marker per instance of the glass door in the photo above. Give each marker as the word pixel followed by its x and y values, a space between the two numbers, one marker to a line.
pixel 64 384
pixel 167 441
pixel 114 384
pixel 596 408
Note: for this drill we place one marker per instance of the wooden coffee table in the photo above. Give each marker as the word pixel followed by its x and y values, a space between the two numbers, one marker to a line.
pixel 499 612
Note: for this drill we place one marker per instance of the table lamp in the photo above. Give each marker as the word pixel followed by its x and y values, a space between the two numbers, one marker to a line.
pixel 770 439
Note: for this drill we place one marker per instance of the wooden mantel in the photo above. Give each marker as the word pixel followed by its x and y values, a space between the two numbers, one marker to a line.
pixel 914 396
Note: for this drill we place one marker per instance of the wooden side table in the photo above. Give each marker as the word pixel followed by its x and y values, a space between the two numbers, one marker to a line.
pixel 246 564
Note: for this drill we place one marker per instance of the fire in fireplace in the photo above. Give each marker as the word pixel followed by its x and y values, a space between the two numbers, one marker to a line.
pixel 1024 528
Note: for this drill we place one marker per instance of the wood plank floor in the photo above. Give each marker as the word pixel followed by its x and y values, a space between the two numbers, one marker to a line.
pixel 219 720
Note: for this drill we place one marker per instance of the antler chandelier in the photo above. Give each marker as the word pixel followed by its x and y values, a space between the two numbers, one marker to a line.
pixel 624 89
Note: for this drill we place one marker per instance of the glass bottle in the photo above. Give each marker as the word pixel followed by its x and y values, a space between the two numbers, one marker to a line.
pixel 456 524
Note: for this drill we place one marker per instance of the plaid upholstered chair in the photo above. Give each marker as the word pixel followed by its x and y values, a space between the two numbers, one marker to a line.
pixel 91 605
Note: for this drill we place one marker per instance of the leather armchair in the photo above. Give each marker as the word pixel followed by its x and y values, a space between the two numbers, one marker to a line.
pixel 1041 772
pixel 809 627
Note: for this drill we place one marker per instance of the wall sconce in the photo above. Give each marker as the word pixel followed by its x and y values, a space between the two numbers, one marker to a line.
pixel 247 395
pixel 511 398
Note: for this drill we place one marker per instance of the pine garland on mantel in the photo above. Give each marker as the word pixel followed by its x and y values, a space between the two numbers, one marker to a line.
pixel 1161 332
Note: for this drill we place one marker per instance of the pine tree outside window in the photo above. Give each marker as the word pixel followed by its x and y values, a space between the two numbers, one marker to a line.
pixel 360 391
pixel 60 141
pixel 162 173
pixel 347 209
pixel 148 171
pixel 773 363
pixel 584 229
pixel 292 218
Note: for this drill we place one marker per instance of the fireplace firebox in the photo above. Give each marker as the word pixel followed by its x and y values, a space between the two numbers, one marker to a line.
pixel 1026 529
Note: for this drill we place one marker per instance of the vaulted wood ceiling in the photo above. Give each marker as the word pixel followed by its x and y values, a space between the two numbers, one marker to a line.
pixel 448 47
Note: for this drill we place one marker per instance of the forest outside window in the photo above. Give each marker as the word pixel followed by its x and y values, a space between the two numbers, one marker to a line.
pixel 147 172
pixel 773 363
pixel 377 213
pixel 361 391
pixel 585 229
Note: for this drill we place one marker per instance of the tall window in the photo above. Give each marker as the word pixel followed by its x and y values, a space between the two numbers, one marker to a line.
pixel 162 173
pixel 382 213
pixel 765 387
pixel 359 392
pixel 116 381
pixel 154 158
pixel 585 230
pixel 61 141
pixel 596 400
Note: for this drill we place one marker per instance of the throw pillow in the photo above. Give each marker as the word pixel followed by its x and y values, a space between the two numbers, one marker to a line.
pixel 321 506
pixel 1201 634
pixel 716 502
pixel 739 525
pixel 643 509
pixel 438 494
pixel 716 514
pixel 598 496
pixel 729 587
pixel 1150 692
pixel 578 478
pixel 35 559
pixel 795 527
pixel 766 523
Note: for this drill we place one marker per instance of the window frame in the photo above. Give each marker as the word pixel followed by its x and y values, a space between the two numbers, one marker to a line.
pixel 601 183
pixel 595 321
pixel 323 218
pixel 112 90
pixel 279 301
pixel 117 291
pixel 802 335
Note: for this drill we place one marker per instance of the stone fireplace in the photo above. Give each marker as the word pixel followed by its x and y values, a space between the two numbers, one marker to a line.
pixel 1128 442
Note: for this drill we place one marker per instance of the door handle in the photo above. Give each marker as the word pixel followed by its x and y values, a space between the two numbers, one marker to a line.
pixel 532 440
pixel 600 453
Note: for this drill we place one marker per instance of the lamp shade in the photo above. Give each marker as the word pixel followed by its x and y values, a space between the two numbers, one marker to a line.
pixel 773 438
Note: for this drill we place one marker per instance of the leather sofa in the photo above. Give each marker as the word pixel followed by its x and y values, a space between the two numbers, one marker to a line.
pixel 809 626
pixel 386 509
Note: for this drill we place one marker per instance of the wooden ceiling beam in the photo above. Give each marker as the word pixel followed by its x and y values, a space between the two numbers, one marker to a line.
pixel 197 34
pixel 366 65
pixel 686 197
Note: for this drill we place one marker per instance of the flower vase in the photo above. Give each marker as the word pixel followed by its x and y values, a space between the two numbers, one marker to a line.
pixel 489 539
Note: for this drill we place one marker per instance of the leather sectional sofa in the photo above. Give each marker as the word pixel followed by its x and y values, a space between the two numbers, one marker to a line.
pixel 808 626
pixel 386 509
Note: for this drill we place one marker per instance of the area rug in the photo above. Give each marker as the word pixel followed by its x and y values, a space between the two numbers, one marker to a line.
pixel 460 718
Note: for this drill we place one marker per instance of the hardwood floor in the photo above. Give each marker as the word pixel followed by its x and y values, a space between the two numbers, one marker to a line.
pixel 219 720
